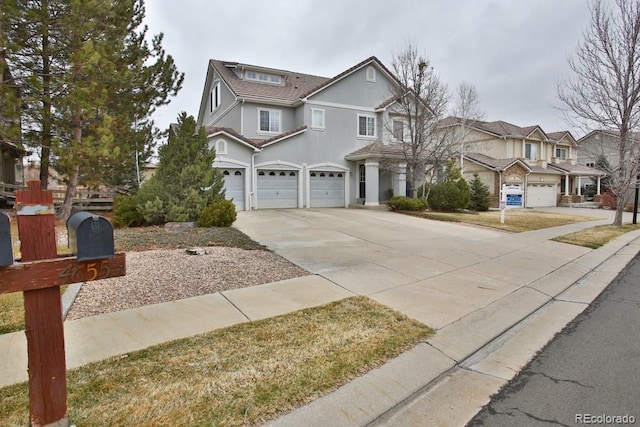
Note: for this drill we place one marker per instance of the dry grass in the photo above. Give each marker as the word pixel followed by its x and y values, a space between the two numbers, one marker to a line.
pixel 516 221
pixel 596 237
pixel 237 376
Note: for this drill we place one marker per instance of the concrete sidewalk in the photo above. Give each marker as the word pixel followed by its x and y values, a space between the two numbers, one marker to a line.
pixel 494 298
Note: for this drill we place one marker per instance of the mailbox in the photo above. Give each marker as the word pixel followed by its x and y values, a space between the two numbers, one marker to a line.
pixel 6 247
pixel 90 236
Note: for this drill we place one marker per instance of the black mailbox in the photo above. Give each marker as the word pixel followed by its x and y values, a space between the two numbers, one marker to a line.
pixel 90 236
pixel 6 247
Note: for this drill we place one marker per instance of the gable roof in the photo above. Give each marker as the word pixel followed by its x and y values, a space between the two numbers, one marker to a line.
pixel 295 84
pixel 366 62
pixel 611 133
pixel 498 128
pixel 497 165
pixel 256 144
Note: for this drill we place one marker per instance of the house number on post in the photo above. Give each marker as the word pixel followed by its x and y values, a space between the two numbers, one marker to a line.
pixel 39 276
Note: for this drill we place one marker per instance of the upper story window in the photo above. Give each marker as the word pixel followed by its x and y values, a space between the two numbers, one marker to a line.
pixel 263 77
pixel 371 74
pixel 591 164
pixel 561 153
pixel 317 118
pixel 214 102
pixel 531 151
pixel 367 126
pixel 269 120
pixel 398 130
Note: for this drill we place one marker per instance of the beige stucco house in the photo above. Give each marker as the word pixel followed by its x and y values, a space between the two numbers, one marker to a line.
pixel 542 166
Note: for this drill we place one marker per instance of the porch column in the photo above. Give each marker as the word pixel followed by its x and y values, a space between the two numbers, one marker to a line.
pixel 400 184
pixel 372 178
pixel 566 185
pixel 598 188
pixel 579 185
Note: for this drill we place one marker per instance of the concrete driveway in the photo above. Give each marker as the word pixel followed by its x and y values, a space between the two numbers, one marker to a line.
pixel 435 272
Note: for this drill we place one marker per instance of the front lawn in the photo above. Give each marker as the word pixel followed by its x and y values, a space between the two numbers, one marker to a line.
pixel 596 237
pixel 240 375
pixel 516 221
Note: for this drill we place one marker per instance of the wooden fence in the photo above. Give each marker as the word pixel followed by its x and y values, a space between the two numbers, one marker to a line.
pixel 84 200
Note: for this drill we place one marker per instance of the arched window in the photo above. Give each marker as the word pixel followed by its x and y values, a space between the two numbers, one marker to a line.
pixel 238 173
pixel 283 174
pixel 261 173
pixel 313 174
pixel 225 173
pixel 272 173
pixel 221 146
pixel 292 174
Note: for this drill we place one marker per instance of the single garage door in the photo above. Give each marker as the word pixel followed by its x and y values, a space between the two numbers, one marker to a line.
pixel 277 189
pixel 541 195
pixel 234 186
pixel 327 189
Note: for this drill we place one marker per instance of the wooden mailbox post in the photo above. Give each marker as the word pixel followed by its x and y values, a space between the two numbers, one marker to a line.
pixel 39 276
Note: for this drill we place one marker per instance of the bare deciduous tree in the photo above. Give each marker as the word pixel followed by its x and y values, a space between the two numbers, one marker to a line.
pixel 466 109
pixel 604 91
pixel 421 101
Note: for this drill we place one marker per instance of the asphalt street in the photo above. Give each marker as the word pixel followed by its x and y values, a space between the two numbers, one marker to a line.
pixel 588 374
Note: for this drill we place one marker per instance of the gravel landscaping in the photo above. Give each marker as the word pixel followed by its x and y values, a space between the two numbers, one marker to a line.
pixel 158 276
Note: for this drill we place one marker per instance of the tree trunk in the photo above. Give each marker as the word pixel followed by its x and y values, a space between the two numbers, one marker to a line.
pixel 45 151
pixel 620 202
pixel 72 184
pixel 69 194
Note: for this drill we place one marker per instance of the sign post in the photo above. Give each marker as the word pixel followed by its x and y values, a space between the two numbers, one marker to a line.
pixel 39 276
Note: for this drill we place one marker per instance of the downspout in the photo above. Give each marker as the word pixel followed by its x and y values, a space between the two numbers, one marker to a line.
pixel 499 186
pixel 242 117
pixel 253 181
pixel 526 189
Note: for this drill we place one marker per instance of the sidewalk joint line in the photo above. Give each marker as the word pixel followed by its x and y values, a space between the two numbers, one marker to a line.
pixel 236 307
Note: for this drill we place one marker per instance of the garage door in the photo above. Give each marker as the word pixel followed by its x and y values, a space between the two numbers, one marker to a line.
pixel 234 186
pixel 541 195
pixel 277 189
pixel 327 189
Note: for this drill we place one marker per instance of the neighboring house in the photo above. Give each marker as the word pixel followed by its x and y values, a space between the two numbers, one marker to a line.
pixel 11 153
pixel 291 140
pixel 542 165
pixel 605 144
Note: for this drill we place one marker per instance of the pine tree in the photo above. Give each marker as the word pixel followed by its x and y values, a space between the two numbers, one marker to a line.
pixel 479 197
pixel 91 78
pixel 185 182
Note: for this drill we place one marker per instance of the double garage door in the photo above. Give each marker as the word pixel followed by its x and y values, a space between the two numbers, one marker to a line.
pixel 327 189
pixel 279 189
pixel 541 195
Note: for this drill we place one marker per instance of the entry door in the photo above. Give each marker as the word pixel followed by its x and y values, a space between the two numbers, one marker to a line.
pixel 363 181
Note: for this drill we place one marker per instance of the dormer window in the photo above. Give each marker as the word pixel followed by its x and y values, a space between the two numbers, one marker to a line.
pixel 255 76
pixel 561 153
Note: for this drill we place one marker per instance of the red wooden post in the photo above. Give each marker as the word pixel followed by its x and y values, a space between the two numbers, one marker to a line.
pixel 39 276
pixel 43 311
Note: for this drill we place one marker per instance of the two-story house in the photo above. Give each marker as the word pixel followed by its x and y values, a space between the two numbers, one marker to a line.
pixel 542 165
pixel 291 140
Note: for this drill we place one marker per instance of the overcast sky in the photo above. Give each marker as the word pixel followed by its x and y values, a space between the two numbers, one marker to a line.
pixel 512 51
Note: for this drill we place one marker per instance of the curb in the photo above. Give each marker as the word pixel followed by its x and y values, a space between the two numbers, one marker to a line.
pixel 69 297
